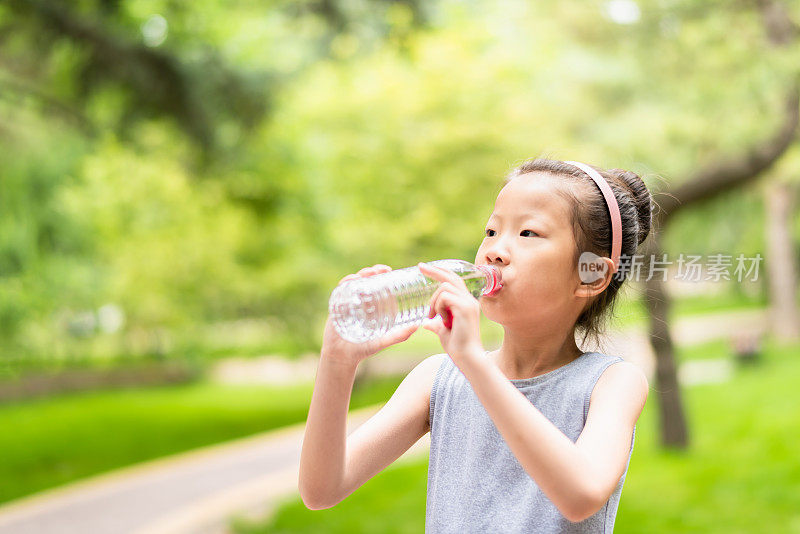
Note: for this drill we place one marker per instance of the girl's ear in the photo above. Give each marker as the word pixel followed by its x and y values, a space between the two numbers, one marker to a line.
pixel 594 276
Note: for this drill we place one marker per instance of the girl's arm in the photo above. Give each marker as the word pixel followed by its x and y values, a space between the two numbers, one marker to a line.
pixel 333 465
pixel 577 477
pixel 323 460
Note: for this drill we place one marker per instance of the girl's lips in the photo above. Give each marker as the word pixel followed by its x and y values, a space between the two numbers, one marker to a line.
pixel 496 292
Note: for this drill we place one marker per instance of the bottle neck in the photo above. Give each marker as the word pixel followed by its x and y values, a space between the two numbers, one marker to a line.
pixel 493 279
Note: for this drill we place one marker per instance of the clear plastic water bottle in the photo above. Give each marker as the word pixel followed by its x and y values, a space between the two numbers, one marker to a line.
pixel 366 308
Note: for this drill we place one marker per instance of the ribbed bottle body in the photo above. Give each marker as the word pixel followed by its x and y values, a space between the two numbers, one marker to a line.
pixel 367 308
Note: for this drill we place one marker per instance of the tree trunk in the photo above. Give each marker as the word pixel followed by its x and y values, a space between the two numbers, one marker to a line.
pixel 780 262
pixel 671 413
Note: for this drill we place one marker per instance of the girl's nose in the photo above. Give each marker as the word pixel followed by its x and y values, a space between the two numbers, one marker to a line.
pixel 496 255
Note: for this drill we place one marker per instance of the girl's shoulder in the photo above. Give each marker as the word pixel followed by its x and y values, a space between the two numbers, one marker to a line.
pixel 427 370
pixel 428 367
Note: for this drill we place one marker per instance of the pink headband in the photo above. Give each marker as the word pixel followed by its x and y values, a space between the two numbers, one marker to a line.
pixel 613 210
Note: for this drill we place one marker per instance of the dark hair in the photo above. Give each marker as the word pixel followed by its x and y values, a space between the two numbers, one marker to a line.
pixel 591 225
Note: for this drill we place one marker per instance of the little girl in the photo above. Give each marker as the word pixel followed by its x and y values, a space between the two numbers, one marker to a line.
pixel 537 435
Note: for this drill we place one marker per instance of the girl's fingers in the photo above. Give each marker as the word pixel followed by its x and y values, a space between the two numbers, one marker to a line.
pixel 447 318
pixel 431 272
pixel 442 304
pixel 436 297
pixel 432 303
pixel 450 302
pixel 397 335
pixel 378 268
pixel 444 309
pixel 434 325
pixel 442 275
pixel 367 271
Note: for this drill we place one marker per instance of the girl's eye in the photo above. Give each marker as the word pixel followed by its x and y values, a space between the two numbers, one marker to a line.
pixel 491 235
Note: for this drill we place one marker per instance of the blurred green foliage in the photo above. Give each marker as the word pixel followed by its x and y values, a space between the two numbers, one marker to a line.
pixel 176 172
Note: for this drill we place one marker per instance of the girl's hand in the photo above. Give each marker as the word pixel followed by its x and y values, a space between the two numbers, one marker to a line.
pixel 459 326
pixel 342 351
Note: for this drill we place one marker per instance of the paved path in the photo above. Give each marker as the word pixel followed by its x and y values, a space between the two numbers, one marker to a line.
pixel 198 492
pixel 195 492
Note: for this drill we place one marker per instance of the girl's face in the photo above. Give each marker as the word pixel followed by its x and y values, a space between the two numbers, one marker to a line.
pixel 529 237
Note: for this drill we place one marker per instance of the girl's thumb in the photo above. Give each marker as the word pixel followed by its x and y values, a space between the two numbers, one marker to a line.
pixel 433 324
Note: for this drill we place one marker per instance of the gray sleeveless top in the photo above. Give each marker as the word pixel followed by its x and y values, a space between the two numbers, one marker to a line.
pixel 475 483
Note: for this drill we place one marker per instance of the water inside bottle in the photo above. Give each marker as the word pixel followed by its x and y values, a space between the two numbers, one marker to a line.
pixel 366 308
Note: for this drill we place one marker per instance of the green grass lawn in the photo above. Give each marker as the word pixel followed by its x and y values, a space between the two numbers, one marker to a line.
pixel 48 442
pixel 741 473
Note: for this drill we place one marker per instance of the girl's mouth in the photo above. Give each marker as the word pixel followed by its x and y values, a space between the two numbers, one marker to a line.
pixel 495 292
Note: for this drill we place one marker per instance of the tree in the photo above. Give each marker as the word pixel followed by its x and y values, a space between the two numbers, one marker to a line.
pixel 711 181
pixel 780 199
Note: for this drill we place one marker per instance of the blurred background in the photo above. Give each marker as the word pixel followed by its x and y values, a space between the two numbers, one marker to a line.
pixel 182 184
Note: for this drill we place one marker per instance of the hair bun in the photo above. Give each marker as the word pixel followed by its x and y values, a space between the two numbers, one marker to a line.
pixel 641 198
